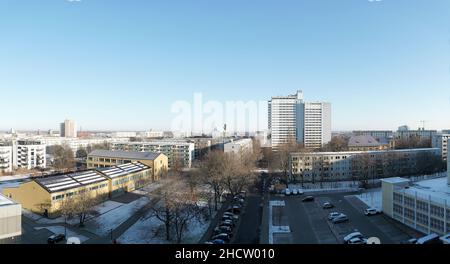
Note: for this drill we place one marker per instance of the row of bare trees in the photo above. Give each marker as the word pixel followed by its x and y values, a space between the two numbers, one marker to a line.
pixel 183 195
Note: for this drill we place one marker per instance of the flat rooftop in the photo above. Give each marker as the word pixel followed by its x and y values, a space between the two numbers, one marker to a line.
pixel 435 189
pixel 125 154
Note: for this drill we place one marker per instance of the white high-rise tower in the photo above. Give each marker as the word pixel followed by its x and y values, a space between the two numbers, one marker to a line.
pixel 290 118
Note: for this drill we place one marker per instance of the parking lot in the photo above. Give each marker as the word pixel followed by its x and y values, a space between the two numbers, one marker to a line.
pixel 309 224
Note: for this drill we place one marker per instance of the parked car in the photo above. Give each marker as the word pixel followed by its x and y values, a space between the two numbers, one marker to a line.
pixel 299 191
pixel 429 239
pixel 215 241
pixel 287 192
pixel 234 210
pixel 222 236
pixel 228 223
pixel 352 236
pixel 223 229
pixel 409 241
pixel 357 241
pixel 371 211
pixel 231 215
pixel 55 238
pixel 294 192
pixel 327 205
pixel 333 215
pixel 340 219
pixel 308 199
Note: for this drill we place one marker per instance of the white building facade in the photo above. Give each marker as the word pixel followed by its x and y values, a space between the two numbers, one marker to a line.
pixel 441 141
pixel 239 146
pixel 283 118
pixel 6 158
pixel 68 129
pixel 29 154
pixel 317 124
pixel 331 166
pixel 291 118
pixel 10 220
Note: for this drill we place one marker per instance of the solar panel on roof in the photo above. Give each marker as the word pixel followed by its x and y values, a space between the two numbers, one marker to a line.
pixel 64 187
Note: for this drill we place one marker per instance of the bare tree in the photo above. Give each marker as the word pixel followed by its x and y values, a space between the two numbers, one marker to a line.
pixel 175 208
pixel 283 153
pixel 63 157
pixel 211 173
pixel 80 205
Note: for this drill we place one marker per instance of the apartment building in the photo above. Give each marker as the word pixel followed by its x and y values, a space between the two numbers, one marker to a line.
pixel 10 220
pixel 377 134
pixel 317 125
pixel 68 129
pixel 283 118
pixel 420 133
pixel 6 158
pixel 174 150
pixel 291 118
pixel 345 165
pixel 46 195
pixel 423 205
pixel 29 154
pixel 239 146
pixel 157 162
pixel 441 141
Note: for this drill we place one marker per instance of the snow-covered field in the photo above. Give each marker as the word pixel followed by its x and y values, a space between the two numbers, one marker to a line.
pixel 372 198
pixel 104 223
pixel 143 232
pixel 60 230
pixel 100 209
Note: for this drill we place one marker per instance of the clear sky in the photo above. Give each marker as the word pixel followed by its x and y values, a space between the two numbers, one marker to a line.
pixel 121 64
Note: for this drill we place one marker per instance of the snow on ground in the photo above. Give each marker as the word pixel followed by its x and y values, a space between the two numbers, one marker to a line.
pixel 14 177
pixel 100 209
pixel 60 230
pixel 107 206
pixel 104 223
pixel 372 198
pixel 143 232
pixel 148 188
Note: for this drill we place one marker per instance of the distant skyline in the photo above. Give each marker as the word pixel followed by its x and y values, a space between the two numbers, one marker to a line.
pixel 121 65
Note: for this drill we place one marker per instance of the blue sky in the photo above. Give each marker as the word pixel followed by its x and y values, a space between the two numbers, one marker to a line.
pixel 121 64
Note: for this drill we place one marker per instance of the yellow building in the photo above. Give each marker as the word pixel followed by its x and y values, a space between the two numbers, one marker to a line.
pixel 46 195
pixel 158 162
pixel 126 177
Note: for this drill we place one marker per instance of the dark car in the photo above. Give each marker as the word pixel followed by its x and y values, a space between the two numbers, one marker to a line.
pixel 308 199
pixel 217 241
pixel 327 205
pixel 222 229
pixel 55 238
pixel 222 236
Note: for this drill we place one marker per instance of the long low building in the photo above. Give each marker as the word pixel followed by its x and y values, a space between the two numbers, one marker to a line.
pixel 46 195
pixel 10 220
pixel 423 205
pixel 173 149
pixel 157 162
pixel 238 146
pixel 347 165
